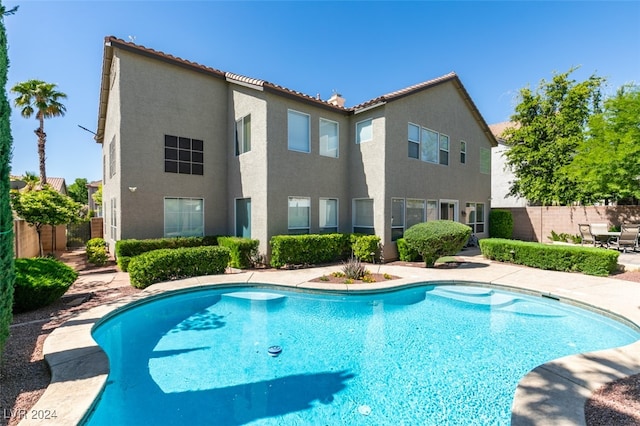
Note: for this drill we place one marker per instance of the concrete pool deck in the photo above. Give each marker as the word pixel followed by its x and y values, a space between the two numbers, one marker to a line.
pixel 553 393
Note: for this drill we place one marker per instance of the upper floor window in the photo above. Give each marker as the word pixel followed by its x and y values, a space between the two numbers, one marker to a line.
pixel 485 161
pixel 328 215
pixel 329 140
pixel 463 152
pixel 298 131
pixel 444 149
pixel 414 141
pixel 430 146
pixel 243 135
pixel 183 155
pixel 364 131
pixel 299 215
pixel 112 157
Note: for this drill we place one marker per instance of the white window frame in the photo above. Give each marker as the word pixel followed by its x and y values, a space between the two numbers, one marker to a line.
pixel 355 216
pixel 291 112
pixel 429 147
pixel 433 210
pixel 242 140
pixel 471 213
pixel 325 140
pixel 359 125
pixel 456 209
pixel 298 229
pixel 443 147
pixel 182 212
pixel 415 142
pixel 323 215
pixel 463 152
pixel 113 220
pixel 424 211
pixel 397 223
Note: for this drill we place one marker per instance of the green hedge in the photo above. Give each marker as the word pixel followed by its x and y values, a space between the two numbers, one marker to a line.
pixel 437 238
pixel 171 264
pixel 308 249
pixel 242 251
pixel 588 260
pixel 97 251
pixel 127 249
pixel 406 253
pixel 500 224
pixel 40 282
pixel 365 247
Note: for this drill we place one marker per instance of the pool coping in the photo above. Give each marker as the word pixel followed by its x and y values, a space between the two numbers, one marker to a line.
pixel 552 393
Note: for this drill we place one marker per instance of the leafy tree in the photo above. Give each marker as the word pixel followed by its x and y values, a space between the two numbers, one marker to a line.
pixel 97 196
pixel 607 161
pixel 43 99
pixel 45 206
pixel 7 267
pixel 550 125
pixel 78 191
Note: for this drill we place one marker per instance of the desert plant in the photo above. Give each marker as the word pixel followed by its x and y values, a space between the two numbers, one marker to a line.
pixel 40 282
pixel 437 238
pixel 353 268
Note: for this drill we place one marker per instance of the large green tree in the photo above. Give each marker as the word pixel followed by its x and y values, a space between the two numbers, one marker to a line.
pixel 607 160
pixel 78 191
pixel 42 99
pixel 550 124
pixel 44 206
pixel 7 271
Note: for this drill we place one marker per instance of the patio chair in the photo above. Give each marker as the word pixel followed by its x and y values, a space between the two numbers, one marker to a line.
pixel 600 234
pixel 585 234
pixel 628 238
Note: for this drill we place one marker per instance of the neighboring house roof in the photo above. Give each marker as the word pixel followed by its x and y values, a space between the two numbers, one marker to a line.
pixel 95 184
pixel 111 41
pixel 59 184
pixel 498 129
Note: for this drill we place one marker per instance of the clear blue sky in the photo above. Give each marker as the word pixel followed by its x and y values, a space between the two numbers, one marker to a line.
pixel 360 49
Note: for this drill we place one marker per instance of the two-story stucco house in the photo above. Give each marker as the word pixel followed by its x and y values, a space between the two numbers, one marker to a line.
pixel 192 150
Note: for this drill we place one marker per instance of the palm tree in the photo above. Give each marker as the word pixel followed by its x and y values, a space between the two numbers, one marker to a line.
pixel 43 99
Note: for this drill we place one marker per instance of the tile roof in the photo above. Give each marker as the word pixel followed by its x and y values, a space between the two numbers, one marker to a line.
pixel 111 41
pixel 498 128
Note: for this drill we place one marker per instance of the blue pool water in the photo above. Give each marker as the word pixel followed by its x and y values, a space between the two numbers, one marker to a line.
pixel 444 355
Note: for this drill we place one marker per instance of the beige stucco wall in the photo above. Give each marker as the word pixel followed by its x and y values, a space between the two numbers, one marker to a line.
pixel 156 99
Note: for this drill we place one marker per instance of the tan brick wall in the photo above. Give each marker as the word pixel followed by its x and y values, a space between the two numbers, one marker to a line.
pixel 536 223
pixel 25 242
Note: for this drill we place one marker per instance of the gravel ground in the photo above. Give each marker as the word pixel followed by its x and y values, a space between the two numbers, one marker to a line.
pixel 24 375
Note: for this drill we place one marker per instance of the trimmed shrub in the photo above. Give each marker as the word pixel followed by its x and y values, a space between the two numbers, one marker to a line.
pixel 308 249
pixel 500 224
pixel 127 249
pixel 588 260
pixel 242 251
pixel 40 282
pixel 365 247
pixel 405 253
pixel 172 264
pixel 437 238
pixel 97 251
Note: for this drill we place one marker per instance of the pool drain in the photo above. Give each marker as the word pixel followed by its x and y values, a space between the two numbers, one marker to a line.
pixel 365 410
pixel 274 350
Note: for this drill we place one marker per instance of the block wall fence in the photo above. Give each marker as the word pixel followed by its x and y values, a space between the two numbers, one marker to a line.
pixel 536 223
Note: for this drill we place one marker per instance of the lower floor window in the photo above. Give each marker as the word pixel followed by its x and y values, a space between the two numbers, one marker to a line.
pixel 328 215
pixel 475 217
pixel 363 216
pixel 299 215
pixel 397 218
pixel 416 212
pixel 183 217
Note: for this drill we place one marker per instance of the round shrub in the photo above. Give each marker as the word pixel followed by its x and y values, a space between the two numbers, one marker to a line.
pixel 40 282
pixel 500 224
pixel 97 251
pixel 437 238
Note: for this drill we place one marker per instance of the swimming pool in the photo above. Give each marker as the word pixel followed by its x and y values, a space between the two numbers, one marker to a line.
pixel 427 354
